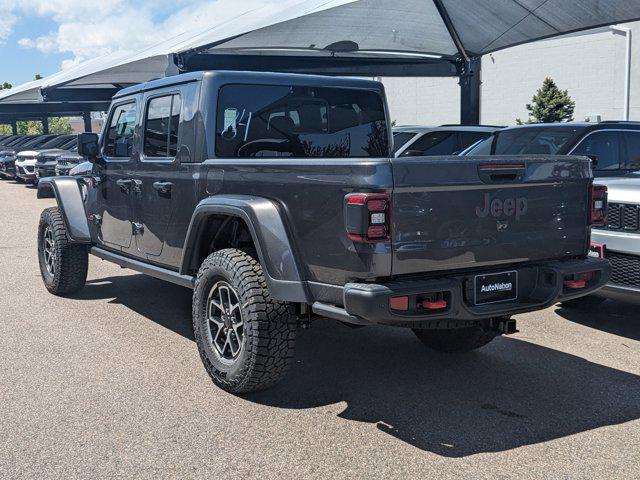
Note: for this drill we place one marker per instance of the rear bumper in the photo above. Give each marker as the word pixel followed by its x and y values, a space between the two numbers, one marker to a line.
pixel 539 286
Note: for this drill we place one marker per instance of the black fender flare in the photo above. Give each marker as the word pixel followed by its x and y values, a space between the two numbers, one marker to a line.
pixel 270 237
pixel 66 191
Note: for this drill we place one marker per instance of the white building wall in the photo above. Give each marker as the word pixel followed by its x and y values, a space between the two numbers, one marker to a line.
pixel 589 65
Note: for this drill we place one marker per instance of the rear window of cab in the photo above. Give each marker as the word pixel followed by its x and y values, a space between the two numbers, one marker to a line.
pixel 300 122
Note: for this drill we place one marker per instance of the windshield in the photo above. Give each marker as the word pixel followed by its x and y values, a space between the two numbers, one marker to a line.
pixel 400 139
pixel 547 140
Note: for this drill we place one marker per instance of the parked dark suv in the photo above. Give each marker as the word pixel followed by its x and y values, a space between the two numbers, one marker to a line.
pixel 277 199
pixel 614 146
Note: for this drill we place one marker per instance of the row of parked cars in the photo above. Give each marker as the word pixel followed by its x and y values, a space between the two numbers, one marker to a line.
pixel 614 148
pixel 26 158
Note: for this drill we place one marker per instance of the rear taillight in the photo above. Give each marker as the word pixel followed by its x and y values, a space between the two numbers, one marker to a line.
pixel 367 217
pixel 598 205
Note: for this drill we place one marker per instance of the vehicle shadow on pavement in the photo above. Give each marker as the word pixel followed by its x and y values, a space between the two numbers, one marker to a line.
pixel 166 304
pixel 509 394
pixel 617 318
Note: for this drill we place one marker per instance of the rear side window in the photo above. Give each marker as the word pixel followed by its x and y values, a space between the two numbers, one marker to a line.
pixel 161 127
pixel 434 143
pixel 632 140
pixel 605 146
pixel 301 122
pixel 119 139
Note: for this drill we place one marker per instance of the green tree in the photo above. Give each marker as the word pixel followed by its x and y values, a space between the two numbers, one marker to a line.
pixel 550 105
pixel 5 86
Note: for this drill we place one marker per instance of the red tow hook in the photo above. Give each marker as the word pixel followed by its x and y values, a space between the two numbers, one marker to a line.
pixel 435 305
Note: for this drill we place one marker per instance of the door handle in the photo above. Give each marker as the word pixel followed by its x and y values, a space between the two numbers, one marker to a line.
pixel 163 188
pixel 125 185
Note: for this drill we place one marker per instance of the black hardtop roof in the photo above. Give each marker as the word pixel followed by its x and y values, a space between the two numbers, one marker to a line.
pixel 264 78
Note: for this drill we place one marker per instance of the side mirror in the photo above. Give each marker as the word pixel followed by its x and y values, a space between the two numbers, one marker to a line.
pixel 88 145
pixel 594 160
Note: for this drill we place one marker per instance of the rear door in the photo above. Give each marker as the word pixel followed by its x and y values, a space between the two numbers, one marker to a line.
pixel 115 203
pixel 464 212
pixel 158 171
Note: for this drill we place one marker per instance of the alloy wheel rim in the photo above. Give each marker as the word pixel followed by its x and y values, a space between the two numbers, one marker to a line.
pixel 225 322
pixel 49 250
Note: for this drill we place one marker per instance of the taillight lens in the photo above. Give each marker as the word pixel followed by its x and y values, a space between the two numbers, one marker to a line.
pixel 598 202
pixel 367 217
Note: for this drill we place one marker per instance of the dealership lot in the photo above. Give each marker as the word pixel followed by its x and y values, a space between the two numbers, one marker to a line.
pixel 109 384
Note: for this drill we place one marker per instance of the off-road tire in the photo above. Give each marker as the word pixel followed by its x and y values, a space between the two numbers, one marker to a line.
pixel 456 340
pixel 71 261
pixel 269 325
pixel 584 303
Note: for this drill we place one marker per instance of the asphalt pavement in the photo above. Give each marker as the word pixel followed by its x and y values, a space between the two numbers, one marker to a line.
pixel 108 384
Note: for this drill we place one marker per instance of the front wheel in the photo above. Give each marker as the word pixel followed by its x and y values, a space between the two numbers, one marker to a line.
pixel 456 340
pixel 63 265
pixel 245 338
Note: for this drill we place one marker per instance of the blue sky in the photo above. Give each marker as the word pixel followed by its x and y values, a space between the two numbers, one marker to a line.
pixel 18 64
pixel 44 36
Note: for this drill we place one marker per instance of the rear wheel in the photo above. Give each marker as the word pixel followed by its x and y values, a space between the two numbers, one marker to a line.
pixel 63 265
pixel 584 303
pixel 245 338
pixel 456 340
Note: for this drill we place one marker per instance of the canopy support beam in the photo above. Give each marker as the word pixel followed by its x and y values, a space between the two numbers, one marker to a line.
pixel 45 125
pixel 470 83
pixel 86 116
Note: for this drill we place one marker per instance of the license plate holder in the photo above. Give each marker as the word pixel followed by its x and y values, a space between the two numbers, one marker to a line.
pixel 495 287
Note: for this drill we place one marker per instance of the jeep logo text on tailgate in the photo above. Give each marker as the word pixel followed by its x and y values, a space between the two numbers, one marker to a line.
pixel 509 207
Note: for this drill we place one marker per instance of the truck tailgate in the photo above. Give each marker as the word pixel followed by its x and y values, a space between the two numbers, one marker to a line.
pixel 463 212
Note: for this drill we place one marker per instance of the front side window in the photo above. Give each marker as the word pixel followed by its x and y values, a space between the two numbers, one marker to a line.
pixel 632 140
pixel 433 144
pixel 604 146
pixel 400 139
pixel 301 122
pixel 544 140
pixel 161 127
pixel 119 138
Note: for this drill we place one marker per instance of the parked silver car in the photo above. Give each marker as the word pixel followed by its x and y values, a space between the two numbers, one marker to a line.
pixel 619 242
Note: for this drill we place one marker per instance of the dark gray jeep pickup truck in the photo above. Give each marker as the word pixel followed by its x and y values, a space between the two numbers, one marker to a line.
pixel 276 198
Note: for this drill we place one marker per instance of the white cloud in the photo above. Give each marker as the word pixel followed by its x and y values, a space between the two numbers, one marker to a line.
pixel 89 29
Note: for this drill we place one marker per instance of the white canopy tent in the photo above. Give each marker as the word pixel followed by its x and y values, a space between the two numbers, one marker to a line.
pixel 340 37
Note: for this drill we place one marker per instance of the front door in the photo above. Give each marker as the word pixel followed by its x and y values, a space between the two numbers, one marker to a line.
pixel 116 188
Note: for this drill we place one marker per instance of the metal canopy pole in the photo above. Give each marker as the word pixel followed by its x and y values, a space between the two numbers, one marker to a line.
pixel 470 92
pixel 469 73
pixel 86 116
pixel 14 127
pixel 45 125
